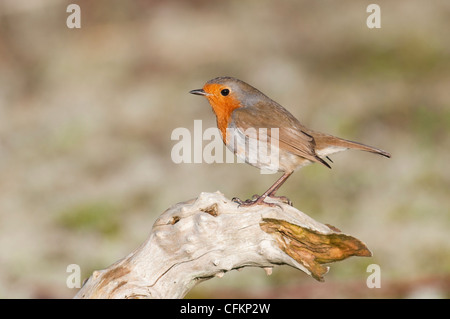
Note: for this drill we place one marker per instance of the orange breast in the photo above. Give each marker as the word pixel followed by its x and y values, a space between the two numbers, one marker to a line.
pixel 223 107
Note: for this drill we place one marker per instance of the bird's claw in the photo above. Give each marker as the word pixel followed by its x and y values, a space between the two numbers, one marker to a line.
pixel 256 200
pixel 259 200
pixel 284 199
pixel 237 200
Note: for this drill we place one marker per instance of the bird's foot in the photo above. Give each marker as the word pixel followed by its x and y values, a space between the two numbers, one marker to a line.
pixel 247 201
pixel 284 199
pixel 256 200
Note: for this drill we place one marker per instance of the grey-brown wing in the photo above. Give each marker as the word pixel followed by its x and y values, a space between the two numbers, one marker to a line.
pixel 291 134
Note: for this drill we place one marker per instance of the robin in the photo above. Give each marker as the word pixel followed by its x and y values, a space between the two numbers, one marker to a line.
pixel 243 112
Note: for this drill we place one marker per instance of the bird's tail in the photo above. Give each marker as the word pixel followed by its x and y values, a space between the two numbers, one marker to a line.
pixel 328 144
pixel 363 147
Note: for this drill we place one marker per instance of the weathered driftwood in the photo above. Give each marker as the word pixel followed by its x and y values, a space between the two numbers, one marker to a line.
pixel 205 237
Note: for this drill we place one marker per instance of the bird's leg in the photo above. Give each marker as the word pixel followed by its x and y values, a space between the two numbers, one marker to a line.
pixel 259 200
pixel 280 182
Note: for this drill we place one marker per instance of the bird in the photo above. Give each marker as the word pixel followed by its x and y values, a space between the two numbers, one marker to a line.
pixel 245 117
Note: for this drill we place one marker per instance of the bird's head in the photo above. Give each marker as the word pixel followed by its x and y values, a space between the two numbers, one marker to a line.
pixel 226 94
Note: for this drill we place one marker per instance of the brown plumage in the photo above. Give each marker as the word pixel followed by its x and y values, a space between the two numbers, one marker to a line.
pixel 243 112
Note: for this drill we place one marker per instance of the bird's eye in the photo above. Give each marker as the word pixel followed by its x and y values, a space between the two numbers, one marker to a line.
pixel 225 92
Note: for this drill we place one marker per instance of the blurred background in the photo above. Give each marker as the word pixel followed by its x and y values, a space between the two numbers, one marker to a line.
pixel 86 117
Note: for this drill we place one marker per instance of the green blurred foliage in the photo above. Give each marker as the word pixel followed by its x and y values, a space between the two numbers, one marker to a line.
pixel 99 217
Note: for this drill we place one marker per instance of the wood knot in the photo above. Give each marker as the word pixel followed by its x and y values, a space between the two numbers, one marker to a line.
pixel 213 210
pixel 174 220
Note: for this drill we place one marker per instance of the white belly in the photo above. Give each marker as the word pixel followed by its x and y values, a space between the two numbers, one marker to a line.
pixel 263 153
pixel 330 150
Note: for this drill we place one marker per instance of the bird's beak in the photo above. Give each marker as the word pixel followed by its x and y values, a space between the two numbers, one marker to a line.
pixel 199 92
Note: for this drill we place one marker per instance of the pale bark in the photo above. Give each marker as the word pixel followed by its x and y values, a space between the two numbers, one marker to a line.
pixel 205 237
